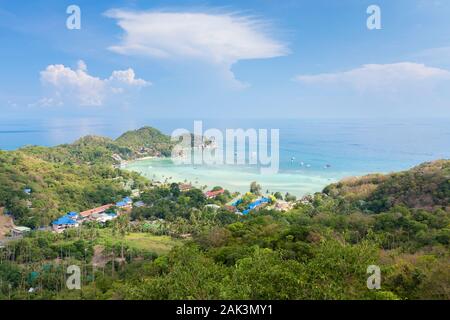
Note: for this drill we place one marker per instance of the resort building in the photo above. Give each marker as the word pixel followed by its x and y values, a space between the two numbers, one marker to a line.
pixel 185 187
pixel 65 222
pixel 126 203
pixel 103 217
pixel 282 205
pixel 19 231
pixel 88 213
pixel 258 204
pixel 99 214
pixel 212 194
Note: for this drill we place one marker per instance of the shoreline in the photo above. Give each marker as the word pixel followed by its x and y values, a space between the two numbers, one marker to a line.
pixel 126 162
pixel 236 178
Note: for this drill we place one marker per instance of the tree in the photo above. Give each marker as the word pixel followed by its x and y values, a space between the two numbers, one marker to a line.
pixel 121 226
pixel 255 188
pixel 278 195
pixel 175 190
pixel 289 197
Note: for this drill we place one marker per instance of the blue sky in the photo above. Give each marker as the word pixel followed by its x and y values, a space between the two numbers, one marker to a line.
pixel 219 59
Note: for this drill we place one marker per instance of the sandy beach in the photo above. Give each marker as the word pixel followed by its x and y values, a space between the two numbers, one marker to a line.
pixel 236 178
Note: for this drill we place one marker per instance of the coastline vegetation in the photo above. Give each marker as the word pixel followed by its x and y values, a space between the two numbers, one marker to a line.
pixel 180 244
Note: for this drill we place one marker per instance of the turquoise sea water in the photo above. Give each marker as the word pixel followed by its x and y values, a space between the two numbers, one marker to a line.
pixel 236 178
pixel 349 147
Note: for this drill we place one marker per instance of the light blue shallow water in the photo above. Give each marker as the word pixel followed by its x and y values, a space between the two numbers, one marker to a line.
pixel 350 147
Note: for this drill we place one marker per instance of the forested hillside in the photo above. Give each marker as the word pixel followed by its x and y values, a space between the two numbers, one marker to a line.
pixel 146 140
pixel 180 244
pixel 57 188
pixel 426 186
pixel 143 142
pixel 73 177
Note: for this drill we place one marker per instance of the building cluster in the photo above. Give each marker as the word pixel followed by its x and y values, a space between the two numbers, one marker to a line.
pixel 258 204
pixel 185 187
pixel 214 193
pixel 281 205
pixel 101 215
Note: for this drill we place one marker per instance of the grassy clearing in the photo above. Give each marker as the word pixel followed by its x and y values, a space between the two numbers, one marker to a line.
pixel 141 241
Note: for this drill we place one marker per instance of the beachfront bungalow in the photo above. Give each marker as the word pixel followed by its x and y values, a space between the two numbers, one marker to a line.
pixel 185 187
pixel 65 222
pixel 282 206
pixel 212 194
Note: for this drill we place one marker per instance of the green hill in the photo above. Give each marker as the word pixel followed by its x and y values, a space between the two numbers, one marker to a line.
pixel 317 250
pixel 57 188
pixel 86 150
pixel 146 141
pixel 143 142
pixel 73 177
pixel 426 186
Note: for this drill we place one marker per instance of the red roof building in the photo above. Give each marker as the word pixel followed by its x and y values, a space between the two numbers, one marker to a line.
pixel 90 212
pixel 213 194
pixel 185 186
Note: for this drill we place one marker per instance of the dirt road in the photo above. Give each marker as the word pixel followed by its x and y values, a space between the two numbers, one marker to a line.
pixel 6 224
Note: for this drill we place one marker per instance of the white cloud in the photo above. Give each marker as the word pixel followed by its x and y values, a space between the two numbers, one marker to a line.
pixel 221 39
pixel 128 77
pixel 84 89
pixel 380 76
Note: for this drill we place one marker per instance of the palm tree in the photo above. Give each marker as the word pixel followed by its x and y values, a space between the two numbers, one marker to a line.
pixel 121 226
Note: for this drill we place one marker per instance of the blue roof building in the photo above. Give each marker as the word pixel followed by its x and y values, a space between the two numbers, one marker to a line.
pixel 65 220
pixel 128 200
pixel 125 202
pixel 121 204
pixel 256 204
